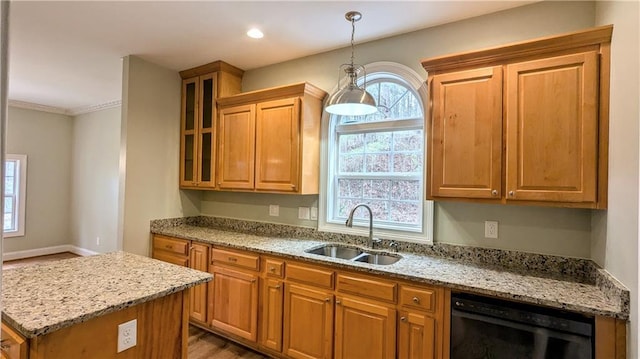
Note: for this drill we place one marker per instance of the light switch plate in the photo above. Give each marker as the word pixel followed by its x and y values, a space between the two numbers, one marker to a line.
pixel 314 214
pixel 303 212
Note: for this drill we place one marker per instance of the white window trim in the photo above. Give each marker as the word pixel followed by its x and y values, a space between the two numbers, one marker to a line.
pixel 423 237
pixel 22 194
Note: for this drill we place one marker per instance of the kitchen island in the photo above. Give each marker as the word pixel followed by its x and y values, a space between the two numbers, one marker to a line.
pixel 72 308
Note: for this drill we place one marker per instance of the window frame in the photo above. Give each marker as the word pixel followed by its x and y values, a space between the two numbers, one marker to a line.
pixel 411 79
pixel 20 193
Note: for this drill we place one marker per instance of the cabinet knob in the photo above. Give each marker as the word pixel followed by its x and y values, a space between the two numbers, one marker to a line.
pixel 277 286
pixel 338 302
pixel 168 246
pixel 272 269
pixel 293 186
pixel 328 300
pixel 416 300
pixel 253 281
pixel 494 193
pixel 512 194
pixel 232 259
pixel 403 319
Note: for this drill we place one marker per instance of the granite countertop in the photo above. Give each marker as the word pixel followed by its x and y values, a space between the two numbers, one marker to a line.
pixel 459 275
pixel 42 298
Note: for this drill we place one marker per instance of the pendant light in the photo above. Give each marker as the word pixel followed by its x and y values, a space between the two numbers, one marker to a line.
pixel 352 100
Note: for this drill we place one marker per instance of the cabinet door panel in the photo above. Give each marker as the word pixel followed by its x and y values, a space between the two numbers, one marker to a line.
pixel 308 323
pixel 466 134
pixel 234 302
pixel 272 302
pixel 277 145
pixel 188 129
pixel 199 259
pixel 552 137
pixel 416 336
pixel 364 329
pixel 236 147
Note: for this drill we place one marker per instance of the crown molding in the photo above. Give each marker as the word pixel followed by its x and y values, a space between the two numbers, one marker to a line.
pixel 37 107
pixel 93 108
pixel 62 111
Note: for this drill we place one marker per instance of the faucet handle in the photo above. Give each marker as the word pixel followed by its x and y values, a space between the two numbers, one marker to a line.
pixel 394 245
pixel 375 241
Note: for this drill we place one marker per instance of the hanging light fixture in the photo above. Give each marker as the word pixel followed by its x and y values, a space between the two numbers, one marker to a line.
pixel 352 100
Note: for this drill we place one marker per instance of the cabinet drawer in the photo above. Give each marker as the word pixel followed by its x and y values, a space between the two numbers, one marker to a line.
pixel 243 260
pixel 316 276
pixel 420 298
pixel 170 258
pixel 274 268
pixel 172 245
pixel 372 288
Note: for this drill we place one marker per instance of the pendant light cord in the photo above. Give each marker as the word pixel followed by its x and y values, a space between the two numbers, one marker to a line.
pixel 353 31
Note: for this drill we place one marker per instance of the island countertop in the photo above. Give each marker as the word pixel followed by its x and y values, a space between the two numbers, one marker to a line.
pixel 457 275
pixel 39 299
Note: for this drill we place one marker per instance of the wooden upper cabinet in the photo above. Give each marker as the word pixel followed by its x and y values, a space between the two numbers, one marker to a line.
pixel 237 147
pixel 276 145
pixel 200 88
pixel 522 123
pixel 466 134
pixel 552 129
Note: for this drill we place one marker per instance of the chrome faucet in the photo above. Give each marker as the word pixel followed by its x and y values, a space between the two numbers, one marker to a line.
pixel 349 223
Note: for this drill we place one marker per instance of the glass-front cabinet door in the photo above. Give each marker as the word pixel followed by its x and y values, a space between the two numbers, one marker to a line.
pixel 206 145
pixel 188 138
pixel 197 152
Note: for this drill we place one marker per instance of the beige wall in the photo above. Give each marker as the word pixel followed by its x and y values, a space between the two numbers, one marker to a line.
pixel 615 242
pixel 542 230
pixel 46 140
pixel 94 180
pixel 149 153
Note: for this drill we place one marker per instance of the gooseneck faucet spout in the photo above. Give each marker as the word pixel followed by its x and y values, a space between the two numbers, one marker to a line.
pixel 349 223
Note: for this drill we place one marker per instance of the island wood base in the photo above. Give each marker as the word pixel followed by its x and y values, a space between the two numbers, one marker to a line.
pixel 163 330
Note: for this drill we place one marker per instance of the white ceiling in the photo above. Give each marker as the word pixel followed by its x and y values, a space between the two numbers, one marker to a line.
pixel 67 54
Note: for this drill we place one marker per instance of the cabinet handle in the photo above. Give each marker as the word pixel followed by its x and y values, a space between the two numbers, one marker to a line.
pixel 494 193
pixel 168 246
pixel 416 300
pixel 231 259
pixel 512 194
pixel 403 319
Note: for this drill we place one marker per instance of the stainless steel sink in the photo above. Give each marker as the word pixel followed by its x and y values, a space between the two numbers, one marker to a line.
pixel 354 254
pixel 336 251
pixel 377 258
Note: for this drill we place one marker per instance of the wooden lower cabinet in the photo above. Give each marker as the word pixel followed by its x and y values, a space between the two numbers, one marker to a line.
pixel 308 322
pixel 271 317
pixel 364 329
pixel 14 345
pixel 233 307
pixel 199 259
pixel 416 335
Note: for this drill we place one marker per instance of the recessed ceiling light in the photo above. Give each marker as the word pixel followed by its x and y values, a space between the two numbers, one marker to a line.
pixel 255 33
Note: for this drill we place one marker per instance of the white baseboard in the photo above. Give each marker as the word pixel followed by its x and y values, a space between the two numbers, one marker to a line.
pixel 8 256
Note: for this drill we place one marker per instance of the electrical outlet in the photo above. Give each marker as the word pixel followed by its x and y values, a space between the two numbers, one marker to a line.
pixel 303 212
pixel 274 210
pixel 314 214
pixel 490 229
pixel 127 335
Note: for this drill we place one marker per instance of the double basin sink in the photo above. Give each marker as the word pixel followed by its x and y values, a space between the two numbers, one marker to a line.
pixel 354 254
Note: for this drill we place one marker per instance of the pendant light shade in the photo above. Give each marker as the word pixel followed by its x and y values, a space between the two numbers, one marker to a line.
pixel 352 100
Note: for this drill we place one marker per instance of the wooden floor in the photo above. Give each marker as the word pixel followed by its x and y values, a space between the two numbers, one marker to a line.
pixel 202 344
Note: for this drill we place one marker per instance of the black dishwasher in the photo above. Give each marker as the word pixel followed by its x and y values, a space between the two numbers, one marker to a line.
pixel 488 328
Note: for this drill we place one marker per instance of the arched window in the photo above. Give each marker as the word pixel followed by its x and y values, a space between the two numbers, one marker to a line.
pixel 379 160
